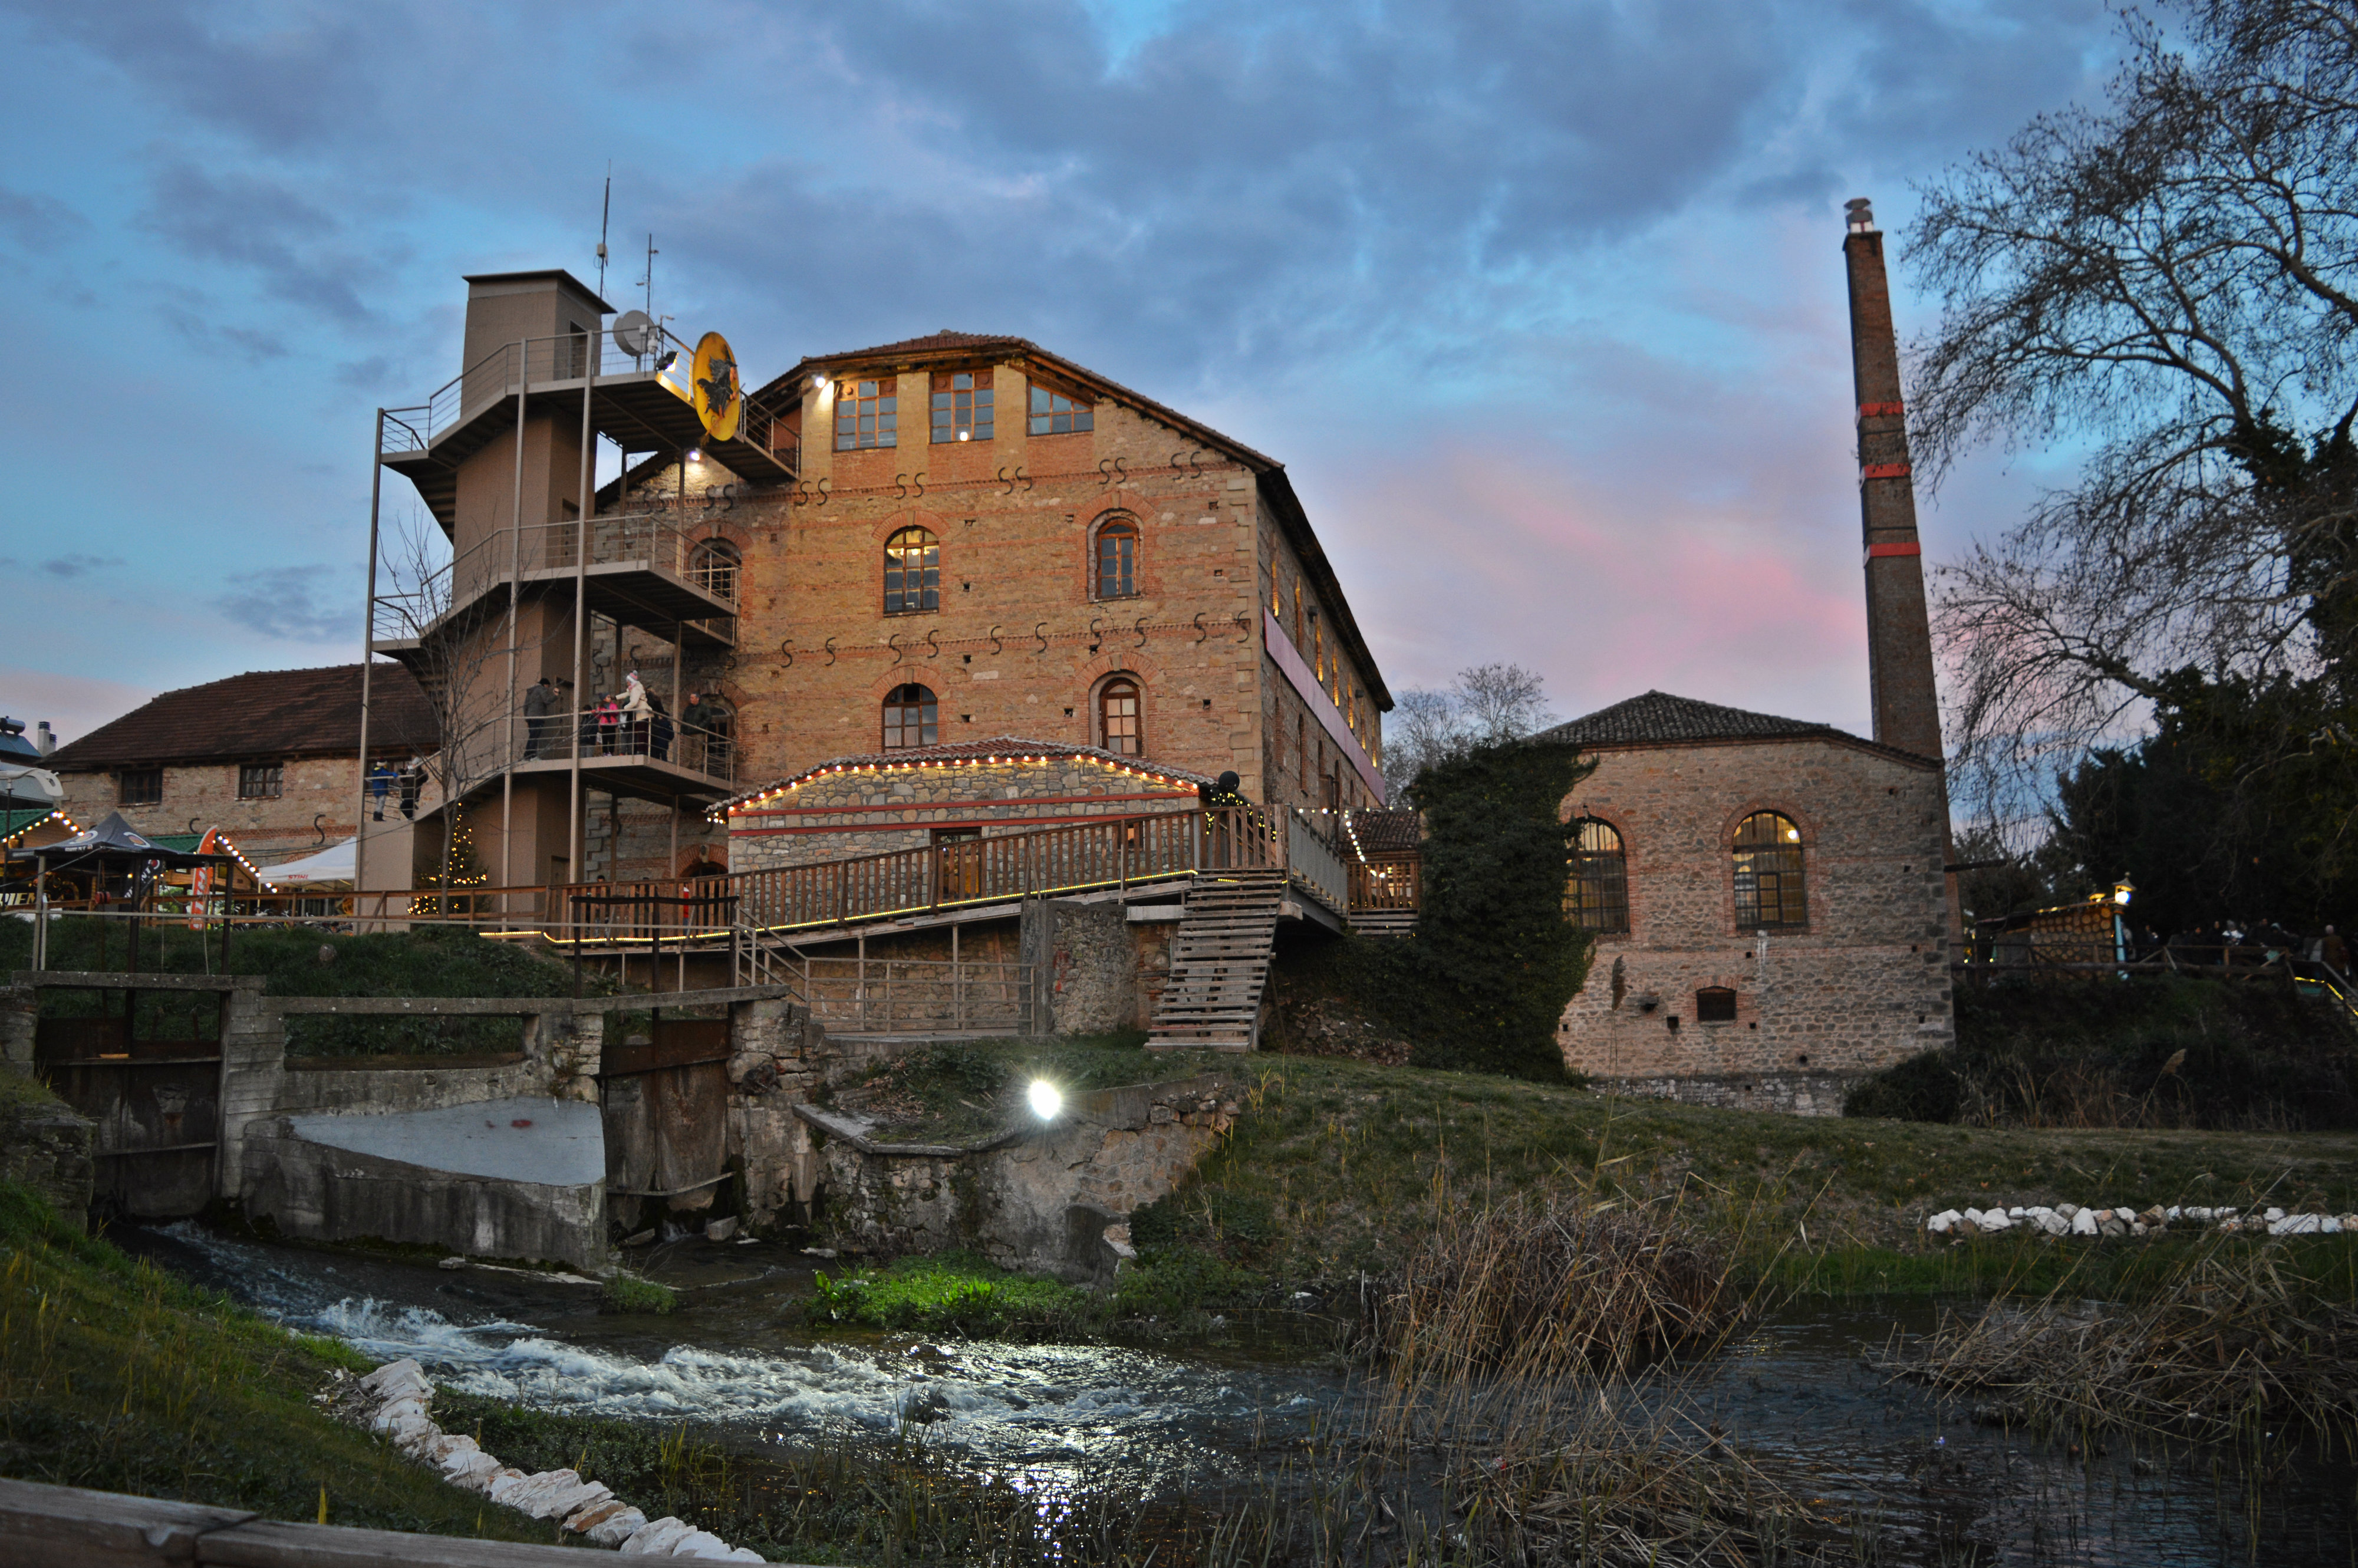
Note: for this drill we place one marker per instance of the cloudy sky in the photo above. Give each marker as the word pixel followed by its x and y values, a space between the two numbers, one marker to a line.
pixel 1541 304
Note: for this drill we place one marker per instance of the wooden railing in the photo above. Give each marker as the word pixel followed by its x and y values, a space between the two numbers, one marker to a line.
pixel 1387 886
pixel 1113 852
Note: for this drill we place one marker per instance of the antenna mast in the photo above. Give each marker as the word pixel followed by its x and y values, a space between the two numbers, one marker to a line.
pixel 648 282
pixel 605 211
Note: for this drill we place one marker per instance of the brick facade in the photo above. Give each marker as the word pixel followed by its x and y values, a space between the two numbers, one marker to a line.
pixel 1863 982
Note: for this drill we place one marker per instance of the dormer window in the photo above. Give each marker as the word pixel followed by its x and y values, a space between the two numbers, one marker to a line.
pixel 867 414
pixel 962 406
pixel 1056 414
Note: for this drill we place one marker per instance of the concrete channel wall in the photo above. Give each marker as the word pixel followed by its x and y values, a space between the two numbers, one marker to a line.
pixel 546 1152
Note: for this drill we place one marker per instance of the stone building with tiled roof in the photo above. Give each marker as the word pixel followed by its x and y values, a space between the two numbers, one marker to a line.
pixel 270 756
pixel 1768 900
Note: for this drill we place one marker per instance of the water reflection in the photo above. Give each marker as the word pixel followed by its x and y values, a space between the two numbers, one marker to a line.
pixel 1913 1479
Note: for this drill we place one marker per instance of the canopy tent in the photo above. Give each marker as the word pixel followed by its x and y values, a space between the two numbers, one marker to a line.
pixel 336 863
pixel 113 846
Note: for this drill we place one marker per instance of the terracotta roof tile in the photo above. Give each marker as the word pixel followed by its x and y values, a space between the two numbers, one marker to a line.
pixel 1658 715
pixel 260 714
pixel 1659 718
pixel 1387 832
pixel 935 342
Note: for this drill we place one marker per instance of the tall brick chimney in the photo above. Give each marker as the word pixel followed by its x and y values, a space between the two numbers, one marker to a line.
pixel 1898 631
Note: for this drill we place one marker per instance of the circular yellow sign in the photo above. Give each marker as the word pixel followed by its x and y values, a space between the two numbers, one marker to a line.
pixel 717 403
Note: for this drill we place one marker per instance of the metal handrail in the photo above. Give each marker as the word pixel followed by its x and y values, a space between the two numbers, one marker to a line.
pixel 614 538
pixel 548 364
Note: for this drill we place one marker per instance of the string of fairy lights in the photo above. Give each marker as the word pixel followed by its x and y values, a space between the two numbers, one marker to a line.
pixel 1010 759
pixel 74 830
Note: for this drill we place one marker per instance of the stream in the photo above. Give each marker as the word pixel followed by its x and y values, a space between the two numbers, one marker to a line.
pixel 1794 1390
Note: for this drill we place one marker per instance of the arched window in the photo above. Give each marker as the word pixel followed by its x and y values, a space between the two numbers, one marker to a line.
pixel 1598 896
pixel 1768 890
pixel 1120 728
pixel 1117 561
pixel 713 567
pixel 910 718
pixel 913 572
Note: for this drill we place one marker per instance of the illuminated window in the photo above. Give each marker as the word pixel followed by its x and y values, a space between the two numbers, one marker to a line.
pixel 1598 896
pixel 910 718
pixel 1054 414
pixel 713 569
pixel 1276 598
pixel 913 572
pixel 1117 561
pixel 1768 890
pixel 1714 1004
pixel 867 414
pixel 261 780
pixel 961 405
pixel 1118 717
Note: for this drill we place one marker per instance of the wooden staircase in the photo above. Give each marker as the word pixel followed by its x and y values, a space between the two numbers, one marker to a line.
pixel 1219 963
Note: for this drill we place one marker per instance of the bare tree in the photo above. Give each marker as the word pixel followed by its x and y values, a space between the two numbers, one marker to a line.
pixel 2169 286
pixel 1484 703
pixel 459 657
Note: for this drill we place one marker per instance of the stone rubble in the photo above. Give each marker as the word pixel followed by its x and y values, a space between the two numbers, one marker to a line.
pixel 2071 1220
pixel 397 1399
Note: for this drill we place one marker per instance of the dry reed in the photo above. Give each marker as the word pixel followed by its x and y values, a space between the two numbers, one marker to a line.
pixel 2229 1349
pixel 1538 1284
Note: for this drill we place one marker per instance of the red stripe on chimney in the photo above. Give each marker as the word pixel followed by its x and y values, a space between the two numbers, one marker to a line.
pixel 1874 550
pixel 1883 470
pixel 1881 410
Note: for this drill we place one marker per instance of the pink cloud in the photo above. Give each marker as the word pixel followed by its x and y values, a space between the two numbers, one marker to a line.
pixel 74 705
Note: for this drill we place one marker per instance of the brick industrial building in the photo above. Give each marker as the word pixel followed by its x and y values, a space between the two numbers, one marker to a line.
pixel 945 540
pixel 1770 898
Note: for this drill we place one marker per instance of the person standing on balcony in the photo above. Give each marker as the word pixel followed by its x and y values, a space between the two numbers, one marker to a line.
pixel 2335 951
pixel 380 781
pixel 659 729
pixel 636 712
pixel 539 699
pixel 610 718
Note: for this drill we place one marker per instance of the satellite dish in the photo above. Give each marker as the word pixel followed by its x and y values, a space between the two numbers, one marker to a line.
pixel 634 332
pixel 715 377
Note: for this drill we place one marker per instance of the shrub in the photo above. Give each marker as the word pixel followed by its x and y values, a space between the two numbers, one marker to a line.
pixel 1924 1088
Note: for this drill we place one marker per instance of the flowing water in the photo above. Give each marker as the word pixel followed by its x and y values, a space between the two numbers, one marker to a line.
pixel 1925 1482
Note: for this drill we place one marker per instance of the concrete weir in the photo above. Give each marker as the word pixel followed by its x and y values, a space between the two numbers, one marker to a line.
pixel 505 1178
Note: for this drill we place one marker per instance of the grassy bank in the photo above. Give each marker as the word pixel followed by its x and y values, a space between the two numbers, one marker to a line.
pixel 117 1376
pixel 1340 1166
pixel 2164 1052
pixel 954 1093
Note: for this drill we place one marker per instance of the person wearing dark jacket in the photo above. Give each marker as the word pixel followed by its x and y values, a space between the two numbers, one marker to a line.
pixel 539 700
pixel 659 729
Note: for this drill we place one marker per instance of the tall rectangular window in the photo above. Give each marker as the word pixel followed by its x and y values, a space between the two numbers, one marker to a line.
pixel 867 414
pixel 1054 414
pixel 961 405
pixel 261 780
pixel 139 786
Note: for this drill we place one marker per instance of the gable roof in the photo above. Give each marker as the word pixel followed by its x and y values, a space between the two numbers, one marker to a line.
pixel 1659 718
pixel 946 347
pixel 260 715
pixel 1004 747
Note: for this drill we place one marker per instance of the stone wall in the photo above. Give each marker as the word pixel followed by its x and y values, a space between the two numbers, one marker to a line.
pixel 44 1145
pixel 279 829
pixel 1795 1093
pixel 1863 984
pixel 1084 964
pixel 1056 1200
pixel 872 809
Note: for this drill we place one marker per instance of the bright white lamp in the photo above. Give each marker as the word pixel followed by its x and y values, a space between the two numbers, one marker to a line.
pixel 1047 1099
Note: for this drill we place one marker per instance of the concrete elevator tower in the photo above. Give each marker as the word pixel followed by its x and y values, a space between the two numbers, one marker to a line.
pixel 1899 630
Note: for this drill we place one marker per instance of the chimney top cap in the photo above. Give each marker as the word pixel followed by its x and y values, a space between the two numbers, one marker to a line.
pixel 1861 215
